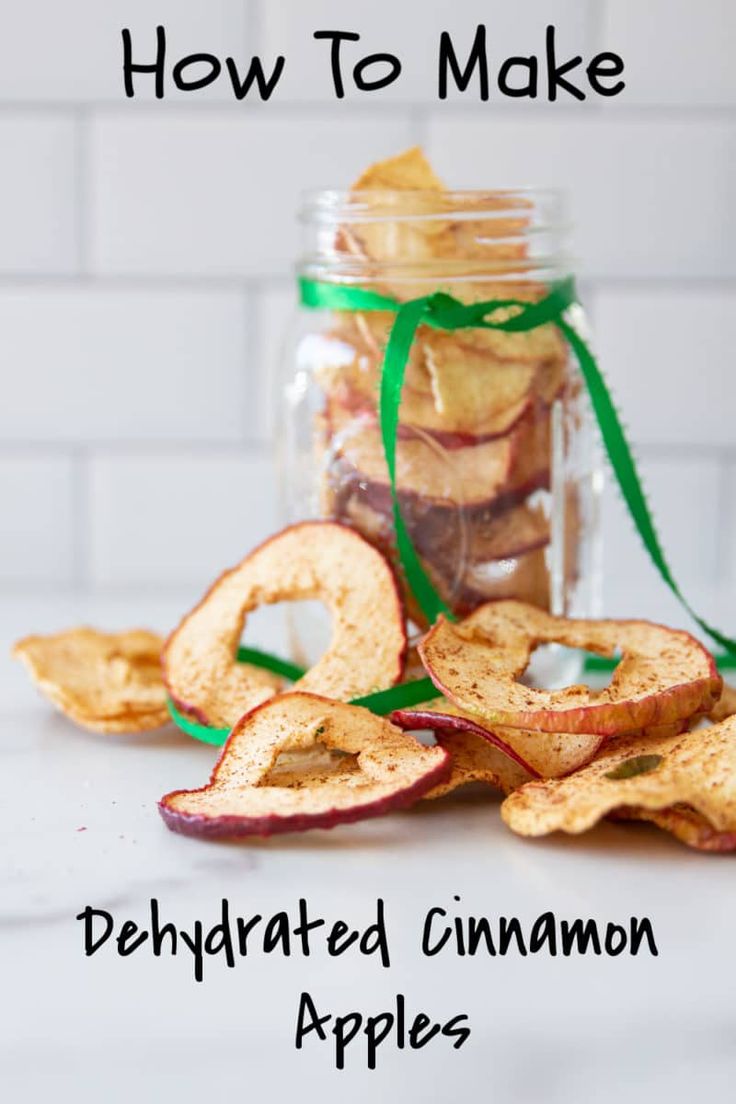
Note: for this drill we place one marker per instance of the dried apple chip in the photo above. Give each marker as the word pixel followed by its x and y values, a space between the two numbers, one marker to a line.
pixel 107 682
pixel 540 754
pixel 684 824
pixel 543 344
pixel 475 760
pixel 312 560
pixel 651 773
pixel 524 577
pixel 663 676
pixel 466 381
pixel 383 238
pixel 504 468
pixel 363 767
pixel 725 706
pixel 408 216
pixel 436 720
pixel 498 536
pixel 452 390
pixel 407 171
pixel 354 386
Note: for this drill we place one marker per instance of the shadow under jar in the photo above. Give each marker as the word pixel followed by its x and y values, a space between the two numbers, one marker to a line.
pixel 497 467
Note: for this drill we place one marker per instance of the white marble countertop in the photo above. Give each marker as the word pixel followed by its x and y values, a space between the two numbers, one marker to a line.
pixel 544 1029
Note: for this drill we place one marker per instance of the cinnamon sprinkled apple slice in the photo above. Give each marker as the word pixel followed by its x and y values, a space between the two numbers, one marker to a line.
pixel 106 682
pixel 312 560
pixel 654 774
pixel 685 824
pixel 664 675
pixel 540 754
pixel 365 767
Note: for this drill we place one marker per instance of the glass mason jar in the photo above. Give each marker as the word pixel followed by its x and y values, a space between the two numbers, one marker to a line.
pixel 497 470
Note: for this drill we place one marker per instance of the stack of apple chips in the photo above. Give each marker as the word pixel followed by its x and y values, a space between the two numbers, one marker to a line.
pixel 475 434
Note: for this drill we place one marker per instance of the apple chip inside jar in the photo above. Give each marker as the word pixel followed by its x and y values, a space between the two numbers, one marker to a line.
pixel 452 390
pixel 475 387
pixel 313 560
pixel 106 682
pixel 408 216
pixel 503 469
pixel 381 237
pixel 365 767
pixel 489 537
pixel 663 676
pixel 664 775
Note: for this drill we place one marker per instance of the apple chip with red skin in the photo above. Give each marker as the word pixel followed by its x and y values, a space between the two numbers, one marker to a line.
pixel 688 781
pixel 537 754
pixel 500 469
pixel 418 720
pixel 344 764
pixel 312 560
pixel 664 675
pixel 106 682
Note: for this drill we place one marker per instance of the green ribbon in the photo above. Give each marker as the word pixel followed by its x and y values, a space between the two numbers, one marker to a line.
pixel 443 312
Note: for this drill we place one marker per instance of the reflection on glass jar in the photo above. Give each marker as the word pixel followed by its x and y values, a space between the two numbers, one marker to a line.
pixel 497 470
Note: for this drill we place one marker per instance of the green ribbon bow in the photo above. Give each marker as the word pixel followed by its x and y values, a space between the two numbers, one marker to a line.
pixel 443 312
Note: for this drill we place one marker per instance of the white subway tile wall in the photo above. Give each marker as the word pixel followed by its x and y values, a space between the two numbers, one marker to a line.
pixel 39 186
pixel 37 504
pixel 93 365
pixel 167 518
pixel 147 251
pixel 214 194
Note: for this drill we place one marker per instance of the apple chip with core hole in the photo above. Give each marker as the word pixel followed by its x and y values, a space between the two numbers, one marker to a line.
pixel 540 754
pixel 651 773
pixel 313 560
pixel 663 676
pixel 364 767
pixel 106 682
